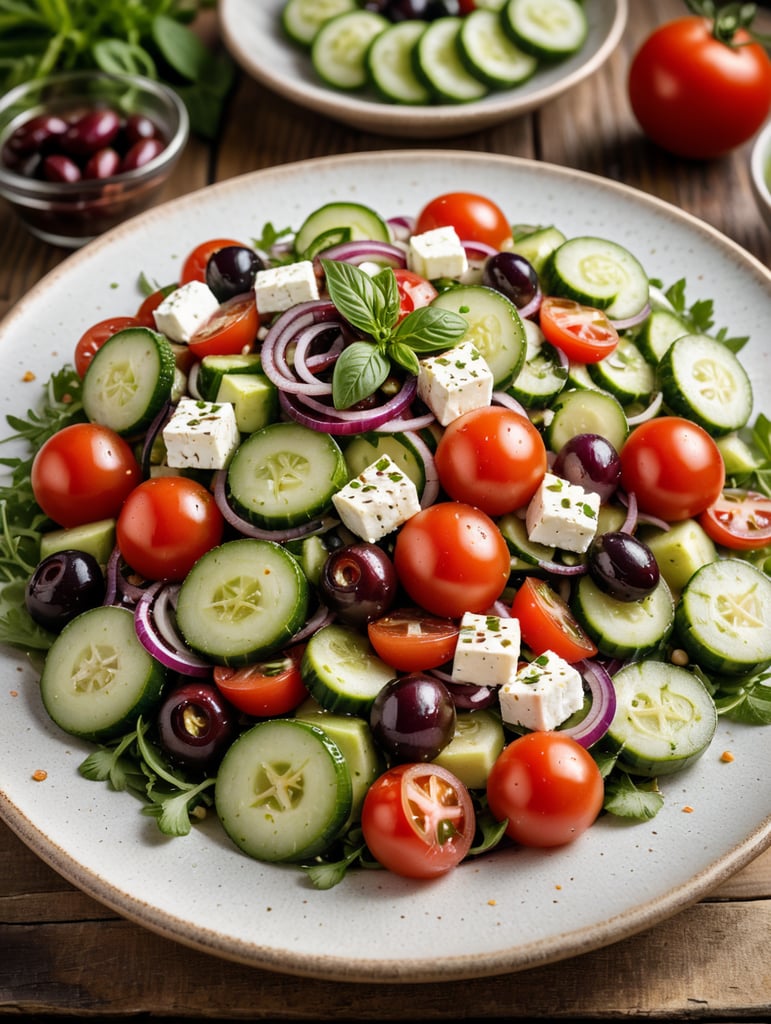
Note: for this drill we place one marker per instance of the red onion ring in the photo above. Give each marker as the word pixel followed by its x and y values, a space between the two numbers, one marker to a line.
pixel 509 402
pixel 318 416
pixel 119 591
pixel 357 252
pixel 155 428
pixel 530 309
pixel 597 720
pixel 156 630
pixel 321 617
pixel 283 332
pixel 431 486
pixel 247 529
pixel 633 321
pixel 651 410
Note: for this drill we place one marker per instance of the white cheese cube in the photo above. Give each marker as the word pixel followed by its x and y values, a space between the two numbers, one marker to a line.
pixel 378 500
pixel 280 288
pixel 543 694
pixel 184 310
pixel 488 650
pixel 562 515
pixel 201 435
pixel 455 382
pixel 437 253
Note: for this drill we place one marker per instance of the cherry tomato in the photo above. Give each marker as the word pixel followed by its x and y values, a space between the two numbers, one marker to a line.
pixel 96 335
pixel 414 291
pixel 409 640
pixel 165 525
pixel 491 457
pixel 266 688
pixel 548 787
pixel 194 267
pixel 739 519
pixel 695 95
pixel 547 623
pixel 452 558
pixel 144 315
pixel 418 820
pixel 474 217
pixel 83 473
pixel 583 333
pixel 231 330
pixel 673 467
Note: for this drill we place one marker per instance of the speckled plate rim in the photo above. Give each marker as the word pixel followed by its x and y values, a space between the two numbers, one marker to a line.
pixel 17 795
pixel 253 37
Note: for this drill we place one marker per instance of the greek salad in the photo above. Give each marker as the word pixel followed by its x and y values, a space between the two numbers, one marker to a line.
pixel 354 528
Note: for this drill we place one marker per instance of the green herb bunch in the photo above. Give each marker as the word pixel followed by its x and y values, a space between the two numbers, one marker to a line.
pixel 145 37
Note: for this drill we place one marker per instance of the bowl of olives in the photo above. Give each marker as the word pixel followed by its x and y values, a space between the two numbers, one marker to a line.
pixel 82 151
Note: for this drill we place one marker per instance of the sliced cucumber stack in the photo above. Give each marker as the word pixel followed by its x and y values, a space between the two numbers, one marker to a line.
pixel 547 29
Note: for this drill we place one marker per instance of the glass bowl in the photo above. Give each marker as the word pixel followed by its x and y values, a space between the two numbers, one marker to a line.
pixel 71 213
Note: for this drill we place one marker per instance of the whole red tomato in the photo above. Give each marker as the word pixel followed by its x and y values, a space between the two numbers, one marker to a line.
pixel 698 88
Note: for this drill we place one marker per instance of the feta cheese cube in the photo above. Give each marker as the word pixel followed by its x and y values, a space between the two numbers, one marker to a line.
pixel 488 650
pixel 437 253
pixel 562 515
pixel 378 500
pixel 201 435
pixel 280 288
pixel 455 382
pixel 184 310
pixel 543 694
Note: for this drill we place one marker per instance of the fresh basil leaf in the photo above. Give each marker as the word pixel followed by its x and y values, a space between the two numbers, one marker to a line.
pixel 357 297
pixel 117 57
pixel 385 280
pixel 428 328
pixel 181 47
pixel 404 356
pixel 359 371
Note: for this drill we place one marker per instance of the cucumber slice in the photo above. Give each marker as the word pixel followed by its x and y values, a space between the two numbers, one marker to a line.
pixel 212 369
pixel 625 373
pixel 723 617
pixel 98 678
pixel 599 273
pixel 358 221
pixel 543 374
pixel 490 55
pixel 242 601
pixel 525 553
pixel 494 328
pixel 129 379
pixel 547 29
pixel 285 475
pixel 342 671
pixel 702 379
pixel 537 244
pixel 579 411
pixel 301 19
pixel 283 791
pixel 657 333
pixel 624 629
pixel 339 48
pixel 665 718
pixel 438 63
pixel 391 67
pixel 365 449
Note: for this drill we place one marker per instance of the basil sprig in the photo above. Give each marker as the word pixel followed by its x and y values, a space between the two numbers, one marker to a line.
pixel 371 304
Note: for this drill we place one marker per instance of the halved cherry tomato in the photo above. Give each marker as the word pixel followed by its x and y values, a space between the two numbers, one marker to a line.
pixel 474 217
pixel 673 466
pixel 266 688
pixel 451 558
pixel 740 520
pixel 144 314
pixel 232 329
pixel 194 267
pixel 166 524
pixel 410 640
pixel 96 335
pixel 418 820
pixel 414 291
pixel 83 473
pixel 547 623
pixel 548 787
pixel 493 458
pixel 583 333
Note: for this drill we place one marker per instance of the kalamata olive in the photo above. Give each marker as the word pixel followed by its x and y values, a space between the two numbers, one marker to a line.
pixel 91 131
pixel 139 126
pixel 591 461
pixel 37 134
pixel 413 718
pixel 196 725
pixel 358 582
pixel 513 276
pixel 62 586
pixel 141 153
pixel 102 164
pixel 231 271
pixel 58 167
pixel 622 566
pixel 423 10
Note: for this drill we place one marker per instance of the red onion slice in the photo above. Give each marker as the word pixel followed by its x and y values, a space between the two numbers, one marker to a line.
pixel 283 332
pixel 431 487
pixel 652 409
pixel 156 630
pixel 597 720
pixel 633 321
pixel 357 252
pixel 318 416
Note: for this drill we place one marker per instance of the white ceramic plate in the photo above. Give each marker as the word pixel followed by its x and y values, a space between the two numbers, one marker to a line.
pixel 513 910
pixel 253 35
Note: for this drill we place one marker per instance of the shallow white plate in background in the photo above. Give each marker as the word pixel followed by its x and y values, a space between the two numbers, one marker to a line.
pixel 252 33
pixel 514 909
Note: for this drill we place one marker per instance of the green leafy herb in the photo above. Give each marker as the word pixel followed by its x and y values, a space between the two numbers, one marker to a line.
pixel 628 799
pixel 746 700
pixel 371 304
pixel 699 316
pixel 727 19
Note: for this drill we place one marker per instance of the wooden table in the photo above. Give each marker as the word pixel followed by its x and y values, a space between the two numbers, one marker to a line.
pixel 62 954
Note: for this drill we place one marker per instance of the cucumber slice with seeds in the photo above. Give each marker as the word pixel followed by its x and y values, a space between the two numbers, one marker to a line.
pixel 342 670
pixel 624 629
pixel 339 48
pixel 490 55
pixel 547 29
pixel 543 374
pixel 391 67
pixel 625 373
pixel 600 273
pixel 586 411
pixel 301 19
pixel 438 63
